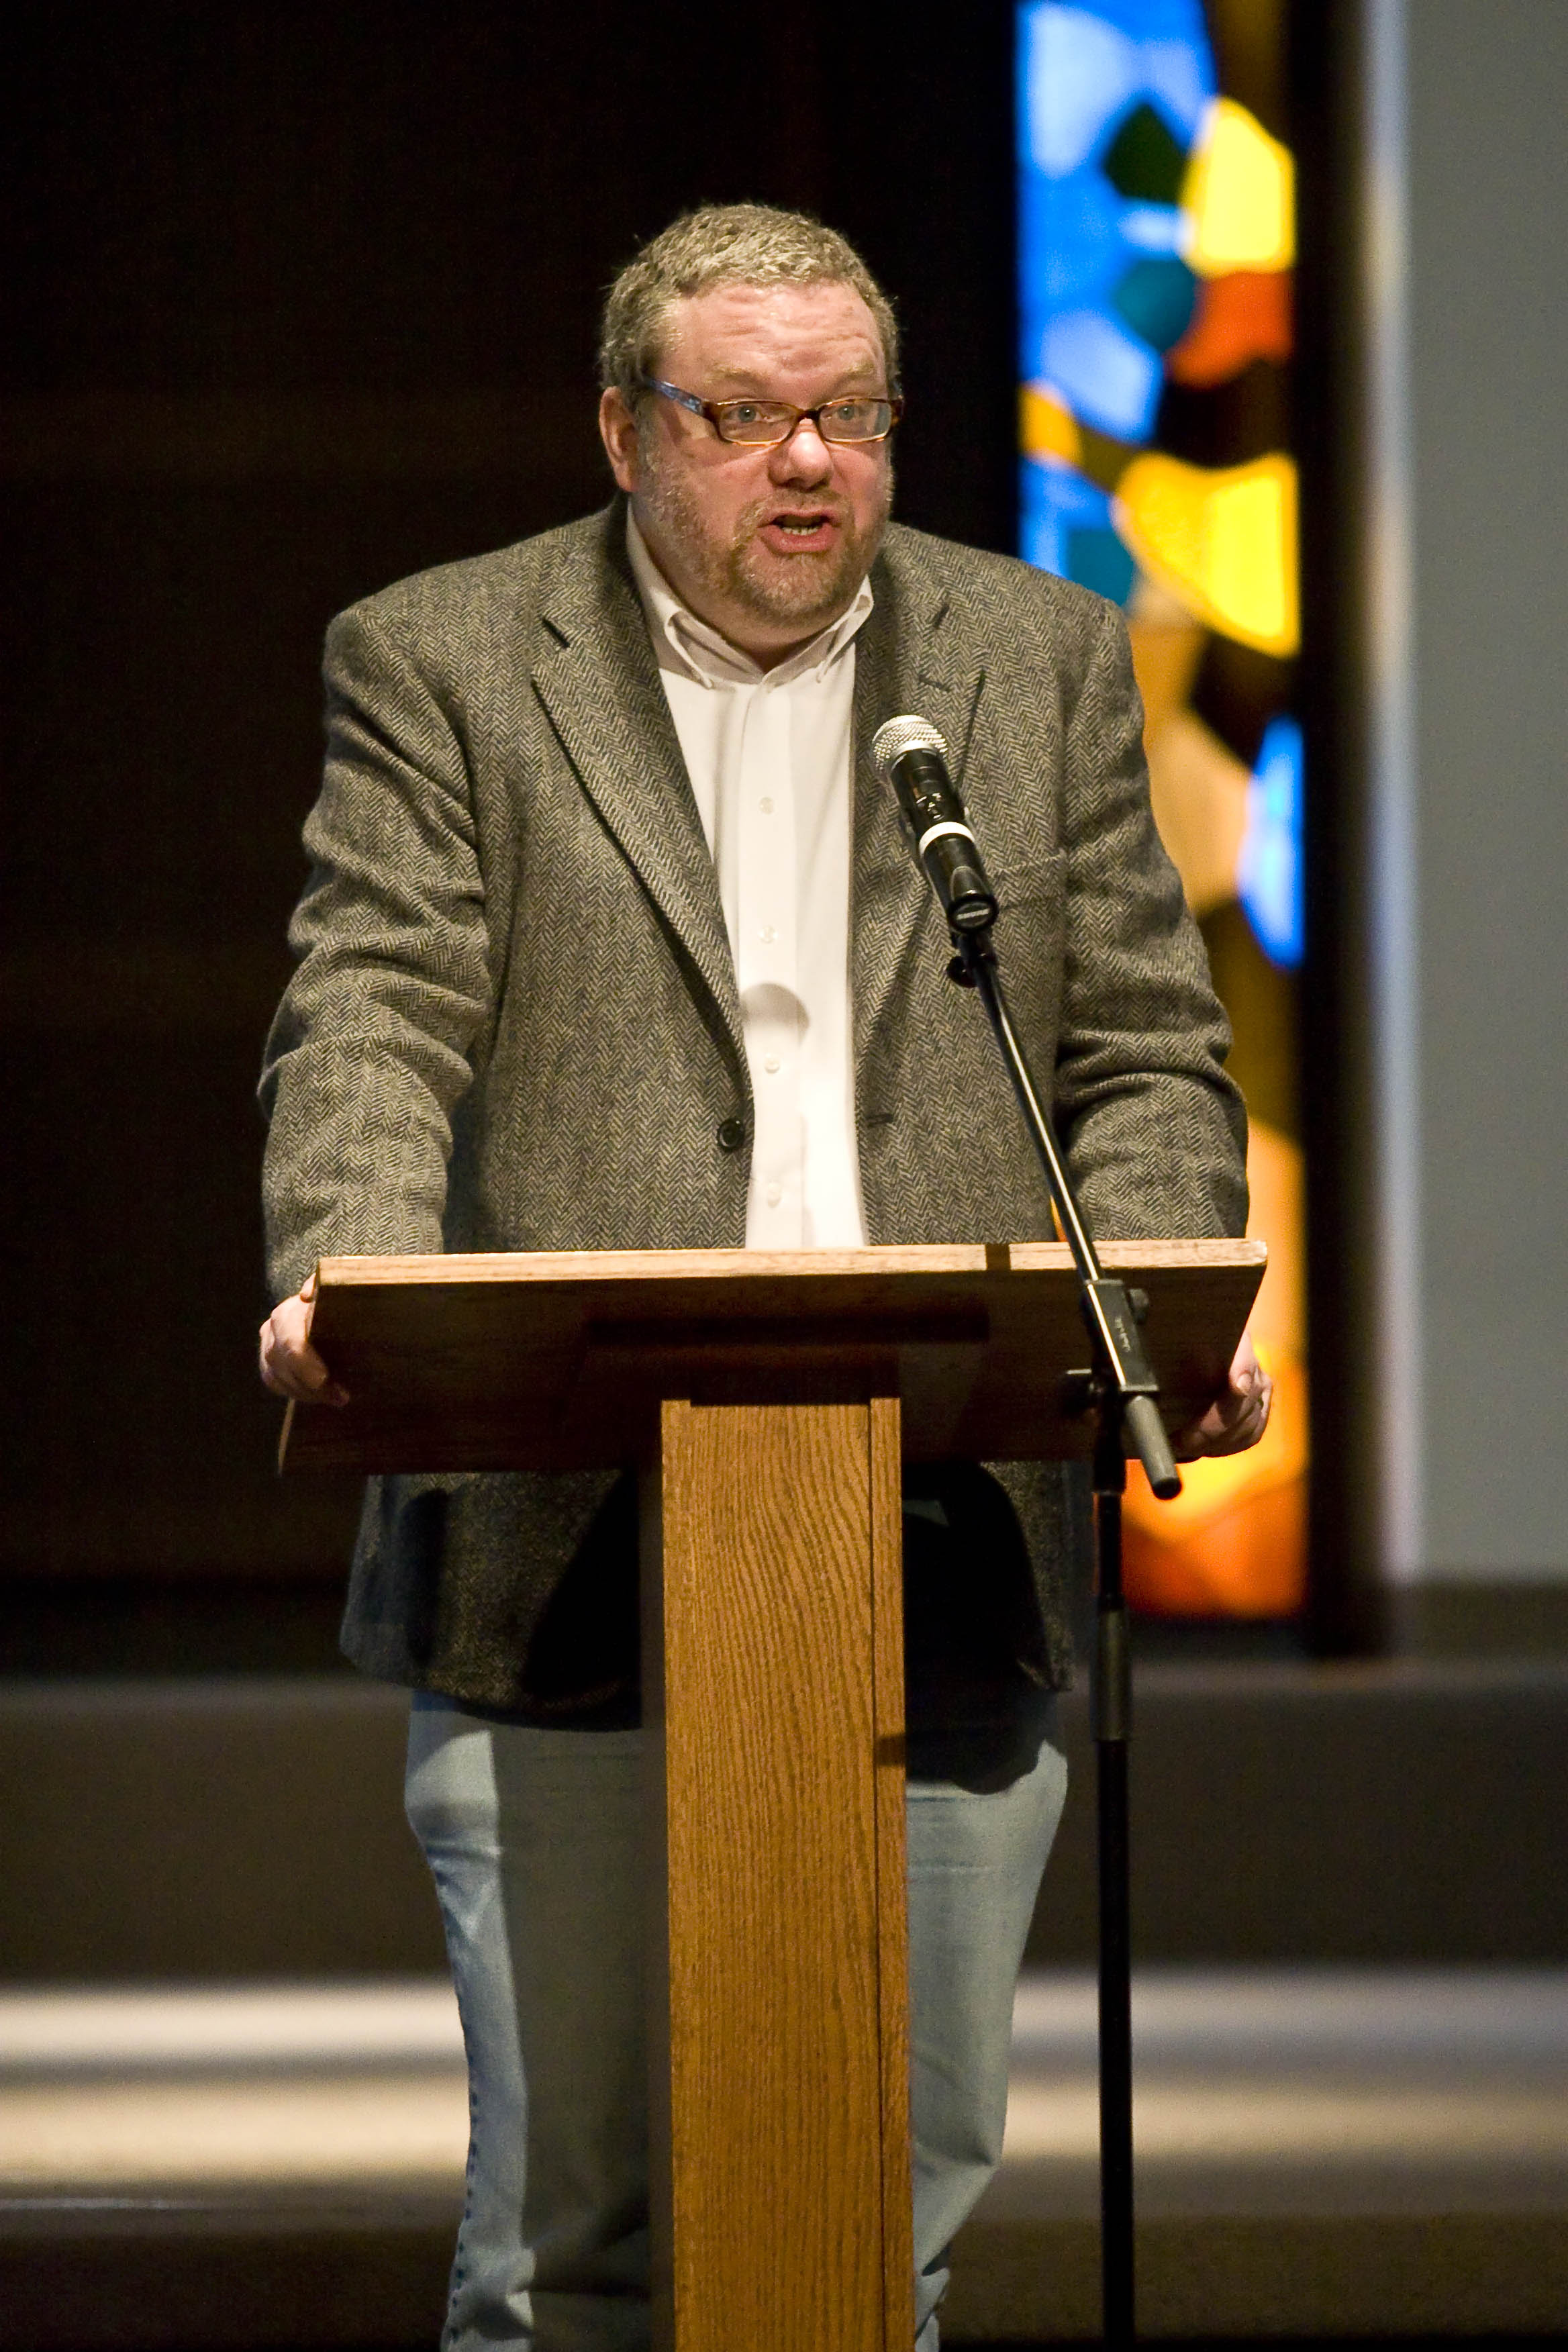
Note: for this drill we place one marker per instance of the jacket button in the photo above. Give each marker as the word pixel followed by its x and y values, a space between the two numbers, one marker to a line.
pixel 731 1134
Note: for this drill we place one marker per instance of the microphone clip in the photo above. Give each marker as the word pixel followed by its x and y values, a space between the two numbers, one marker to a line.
pixel 974 950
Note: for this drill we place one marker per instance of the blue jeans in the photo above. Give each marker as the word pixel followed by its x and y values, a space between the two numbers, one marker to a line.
pixel 533 1837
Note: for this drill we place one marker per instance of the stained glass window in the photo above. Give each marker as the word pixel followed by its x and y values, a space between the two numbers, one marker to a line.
pixel 1156 243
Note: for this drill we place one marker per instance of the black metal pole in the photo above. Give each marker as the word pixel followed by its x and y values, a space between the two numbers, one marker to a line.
pixel 913 758
pixel 1125 1391
pixel 1111 1722
pixel 1111 1310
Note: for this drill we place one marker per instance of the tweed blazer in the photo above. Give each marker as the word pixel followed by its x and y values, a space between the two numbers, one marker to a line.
pixel 514 1022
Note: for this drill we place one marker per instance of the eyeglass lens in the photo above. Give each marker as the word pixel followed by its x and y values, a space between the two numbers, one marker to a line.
pixel 758 421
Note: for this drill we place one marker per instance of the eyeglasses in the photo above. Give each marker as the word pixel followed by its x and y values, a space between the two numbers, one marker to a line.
pixel 764 424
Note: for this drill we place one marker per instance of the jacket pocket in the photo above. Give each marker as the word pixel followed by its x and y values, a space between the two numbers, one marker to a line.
pixel 1031 934
pixel 1031 881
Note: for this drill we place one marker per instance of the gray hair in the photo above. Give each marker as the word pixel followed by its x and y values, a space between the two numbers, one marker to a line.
pixel 726 245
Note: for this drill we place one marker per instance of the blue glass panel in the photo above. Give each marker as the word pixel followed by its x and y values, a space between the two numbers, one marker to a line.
pixel 1270 874
pixel 1082 69
pixel 1181 73
pixel 1152 228
pixel 1076 72
pixel 1071 230
pixel 1157 20
pixel 1058 503
pixel 1109 378
pixel 1098 560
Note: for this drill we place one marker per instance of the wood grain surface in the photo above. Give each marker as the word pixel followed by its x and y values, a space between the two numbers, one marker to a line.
pixel 560 1360
pixel 892 1867
pixel 774 1658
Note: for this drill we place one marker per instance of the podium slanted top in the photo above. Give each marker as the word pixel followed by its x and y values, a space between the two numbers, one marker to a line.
pixel 559 1360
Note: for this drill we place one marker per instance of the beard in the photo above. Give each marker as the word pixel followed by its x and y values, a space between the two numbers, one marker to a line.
pixel 806 590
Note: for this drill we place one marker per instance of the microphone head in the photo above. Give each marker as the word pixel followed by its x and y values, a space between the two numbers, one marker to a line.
pixel 897 736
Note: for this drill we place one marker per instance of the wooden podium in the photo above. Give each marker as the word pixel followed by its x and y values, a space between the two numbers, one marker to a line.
pixel 769 1402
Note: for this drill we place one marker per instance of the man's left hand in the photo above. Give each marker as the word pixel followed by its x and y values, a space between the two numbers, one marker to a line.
pixel 1235 1420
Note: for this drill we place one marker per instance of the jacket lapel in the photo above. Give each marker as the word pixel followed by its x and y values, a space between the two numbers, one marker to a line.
pixel 910 660
pixel 598 680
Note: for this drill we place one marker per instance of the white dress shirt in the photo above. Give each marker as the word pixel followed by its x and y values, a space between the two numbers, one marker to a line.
pixel 768 756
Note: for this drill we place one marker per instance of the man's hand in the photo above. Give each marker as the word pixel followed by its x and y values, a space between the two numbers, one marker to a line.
pixel 290 1365
pixel 1236 1419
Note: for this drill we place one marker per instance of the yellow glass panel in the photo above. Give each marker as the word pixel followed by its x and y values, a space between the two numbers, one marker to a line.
pixel 1239 196
pixel 1222 539
pixel 1046 426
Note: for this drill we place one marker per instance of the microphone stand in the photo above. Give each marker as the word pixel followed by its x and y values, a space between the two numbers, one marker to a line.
pixel 1121 1388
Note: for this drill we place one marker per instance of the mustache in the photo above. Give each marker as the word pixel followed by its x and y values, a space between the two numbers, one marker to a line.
pixel 762 510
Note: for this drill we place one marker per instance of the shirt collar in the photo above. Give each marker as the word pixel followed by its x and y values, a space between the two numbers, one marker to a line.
pixel 684 643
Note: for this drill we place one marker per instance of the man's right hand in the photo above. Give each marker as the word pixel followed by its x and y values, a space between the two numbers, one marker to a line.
pixel 290 1365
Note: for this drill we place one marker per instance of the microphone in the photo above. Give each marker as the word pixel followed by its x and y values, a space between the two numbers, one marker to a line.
pixel 911 760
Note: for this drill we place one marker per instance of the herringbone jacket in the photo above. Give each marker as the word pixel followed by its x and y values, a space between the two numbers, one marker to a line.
pixel 514 1022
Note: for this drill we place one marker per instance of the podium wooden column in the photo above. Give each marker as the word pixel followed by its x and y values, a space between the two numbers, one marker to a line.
pixel 773 1658
pixel 769 1402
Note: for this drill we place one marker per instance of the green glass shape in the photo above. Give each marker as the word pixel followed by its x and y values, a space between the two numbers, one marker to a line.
pixel 1145 162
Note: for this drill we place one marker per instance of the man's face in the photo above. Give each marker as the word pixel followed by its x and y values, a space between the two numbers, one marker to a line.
pixel 768 546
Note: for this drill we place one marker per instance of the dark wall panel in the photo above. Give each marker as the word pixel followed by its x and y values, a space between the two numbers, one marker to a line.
pixel 300 302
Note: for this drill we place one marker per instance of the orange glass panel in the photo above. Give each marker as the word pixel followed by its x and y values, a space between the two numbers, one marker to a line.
pixel 1244 317
pixel 1250 1562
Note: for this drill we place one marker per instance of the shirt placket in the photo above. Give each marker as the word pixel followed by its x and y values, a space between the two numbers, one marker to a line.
pixel 769 972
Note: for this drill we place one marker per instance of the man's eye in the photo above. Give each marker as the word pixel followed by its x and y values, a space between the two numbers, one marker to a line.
pixel 848 412
pixel 744 412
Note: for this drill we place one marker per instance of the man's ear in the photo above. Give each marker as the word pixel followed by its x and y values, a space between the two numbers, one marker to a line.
pixel 618 432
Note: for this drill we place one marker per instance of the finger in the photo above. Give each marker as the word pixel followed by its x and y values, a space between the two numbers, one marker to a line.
pixel 329 1391
pixel 1230 1426
pixel 289 1382
pixel 286 1378
pixel 273 1361
pixel 308 1379
pixel 1195 1439
pixel 1243 1430
pixel 290 1366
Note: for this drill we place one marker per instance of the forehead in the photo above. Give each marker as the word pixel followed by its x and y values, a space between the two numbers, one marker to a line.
pixel 770 338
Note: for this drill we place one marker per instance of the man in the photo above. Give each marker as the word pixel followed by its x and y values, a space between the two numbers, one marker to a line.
pixel 611 941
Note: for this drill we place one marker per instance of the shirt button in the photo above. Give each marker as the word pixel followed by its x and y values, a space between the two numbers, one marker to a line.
pixel 766 806
pixel 775 1195
pixel 731 1134
pixel 770 1065
pixel 768 934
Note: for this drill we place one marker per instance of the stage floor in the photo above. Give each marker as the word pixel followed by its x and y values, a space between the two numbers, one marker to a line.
pixel 1319 2151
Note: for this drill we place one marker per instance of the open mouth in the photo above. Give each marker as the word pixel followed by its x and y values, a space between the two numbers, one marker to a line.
pixel 806 532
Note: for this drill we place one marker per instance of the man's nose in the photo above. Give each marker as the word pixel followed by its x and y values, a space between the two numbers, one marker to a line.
pixel 804 458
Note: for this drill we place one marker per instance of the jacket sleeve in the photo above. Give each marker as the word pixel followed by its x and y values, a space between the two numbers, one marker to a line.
pixel 1155 1131
pixel 369 1055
